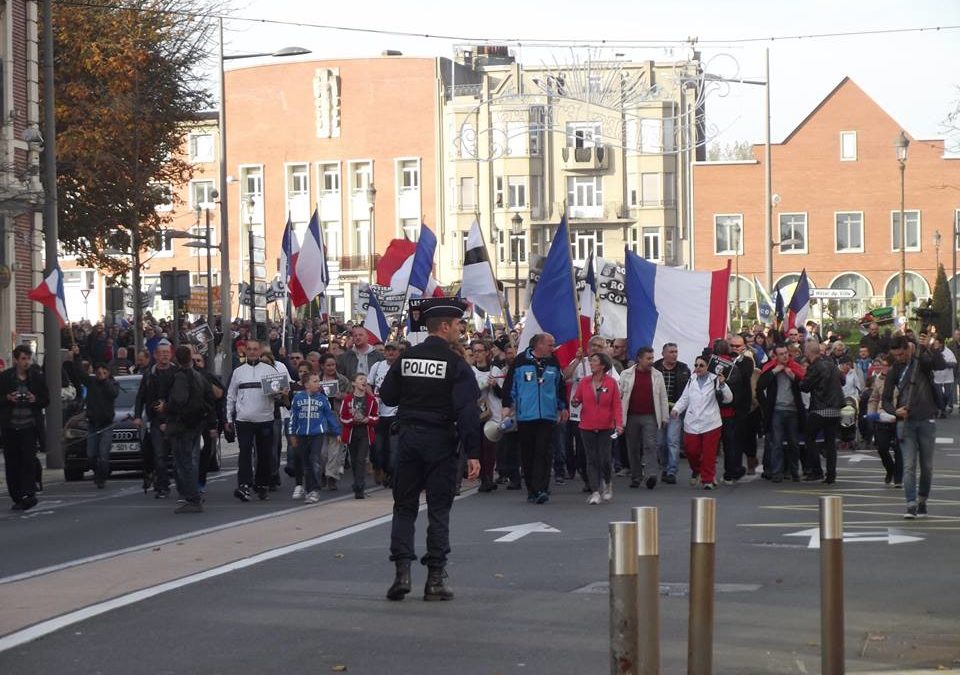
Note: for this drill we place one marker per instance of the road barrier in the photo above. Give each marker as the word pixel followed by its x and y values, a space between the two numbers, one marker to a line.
pixel 703 540
pixel 623 594
pixel 831 585
pixel 648 590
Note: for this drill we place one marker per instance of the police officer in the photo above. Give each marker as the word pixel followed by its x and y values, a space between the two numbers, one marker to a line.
pixel 434 389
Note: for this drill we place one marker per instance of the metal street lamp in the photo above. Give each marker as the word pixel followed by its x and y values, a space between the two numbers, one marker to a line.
pixel 202 241
pixel 253 268
pixel 736 273
pixel 371 201
pixel 225 310
pixel 900 144
pixel 516 232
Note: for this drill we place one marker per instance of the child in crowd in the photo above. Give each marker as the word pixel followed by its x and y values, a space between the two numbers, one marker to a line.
pixel 312 427
pixel 359 414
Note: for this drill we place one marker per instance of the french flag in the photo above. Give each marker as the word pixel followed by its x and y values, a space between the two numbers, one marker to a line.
pixel 799 303
pixel 50 294
pixel 407 266
pixel 667 304
pixel 311 267
pixel 567 352
pixel 553 307
pixel 375 323
pixel 289 253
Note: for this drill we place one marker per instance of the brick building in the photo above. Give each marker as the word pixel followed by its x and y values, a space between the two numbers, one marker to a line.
pixel 836 196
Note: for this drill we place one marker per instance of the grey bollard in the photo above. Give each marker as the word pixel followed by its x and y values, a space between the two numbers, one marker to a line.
pixel 831 585
pixel 623 594
pixel 648 590
pixel 703 539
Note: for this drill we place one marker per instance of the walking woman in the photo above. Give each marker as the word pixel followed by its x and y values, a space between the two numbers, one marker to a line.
pixel 601 418
pixel 701 425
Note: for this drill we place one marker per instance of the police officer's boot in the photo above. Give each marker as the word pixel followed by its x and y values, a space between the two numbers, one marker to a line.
pixel 436 588
pixel 401 584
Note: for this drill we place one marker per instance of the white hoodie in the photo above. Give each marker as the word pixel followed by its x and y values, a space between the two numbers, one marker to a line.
pixel 246 401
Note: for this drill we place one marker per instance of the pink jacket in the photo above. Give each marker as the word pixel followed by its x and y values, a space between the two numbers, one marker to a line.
pixel 605 414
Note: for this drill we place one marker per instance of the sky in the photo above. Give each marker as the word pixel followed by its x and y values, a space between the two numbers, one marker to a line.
pixel 912 75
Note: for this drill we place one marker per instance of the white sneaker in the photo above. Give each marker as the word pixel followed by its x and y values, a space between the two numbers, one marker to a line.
pixel 594 498
pixel 298 492
pixel 313 497
pixel 608 493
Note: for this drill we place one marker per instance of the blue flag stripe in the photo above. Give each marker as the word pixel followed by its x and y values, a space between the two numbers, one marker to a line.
pixel 642 314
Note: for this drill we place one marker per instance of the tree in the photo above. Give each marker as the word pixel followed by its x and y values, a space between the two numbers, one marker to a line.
pixel 738 150
pixel 942 303
pixel 127 80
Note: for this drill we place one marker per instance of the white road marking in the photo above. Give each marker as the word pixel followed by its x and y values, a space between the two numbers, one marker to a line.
pixel 43 628
pixel 515 532
pixel 858 457
pixel 889 535
pixel 944 441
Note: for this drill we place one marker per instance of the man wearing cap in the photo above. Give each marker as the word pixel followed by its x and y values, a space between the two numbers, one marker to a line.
pixel 436 394
pixel 384 453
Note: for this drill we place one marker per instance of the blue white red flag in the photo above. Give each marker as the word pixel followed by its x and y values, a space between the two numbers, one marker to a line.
pixel 289 253
pixel 375 322
pixel 50 294
pixel 799 303
pixel 311 267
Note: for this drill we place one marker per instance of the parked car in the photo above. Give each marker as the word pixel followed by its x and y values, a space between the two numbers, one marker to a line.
pixel 124 453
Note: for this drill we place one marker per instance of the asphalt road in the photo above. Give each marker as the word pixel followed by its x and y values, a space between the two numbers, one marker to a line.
pixel 309 596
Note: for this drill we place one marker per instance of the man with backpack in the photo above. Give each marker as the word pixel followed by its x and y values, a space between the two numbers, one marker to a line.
pixel 191 402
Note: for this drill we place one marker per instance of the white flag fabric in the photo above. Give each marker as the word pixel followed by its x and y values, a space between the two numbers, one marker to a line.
pixel 479 285
pixel 612 298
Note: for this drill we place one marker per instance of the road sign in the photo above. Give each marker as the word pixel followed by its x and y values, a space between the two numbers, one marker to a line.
pixel 832 293
pixel 888 535
pixel 515 532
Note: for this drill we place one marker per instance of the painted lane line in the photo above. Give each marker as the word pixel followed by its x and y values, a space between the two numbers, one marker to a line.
pixel 49 626
pixel 163 542
pixel 944 441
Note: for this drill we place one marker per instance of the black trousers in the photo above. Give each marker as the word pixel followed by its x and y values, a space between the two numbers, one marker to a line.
pixel 888 447
pixel 576 455
pixel 427 461
pixel 259 434
pixel 536 454
pixel 19 456
pixel 508 457
pixel 828 425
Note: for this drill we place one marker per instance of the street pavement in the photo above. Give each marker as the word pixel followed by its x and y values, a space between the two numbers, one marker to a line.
pixel 112 582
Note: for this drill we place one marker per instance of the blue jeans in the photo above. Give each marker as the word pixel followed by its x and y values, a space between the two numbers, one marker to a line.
pixel 161 448
pixel 668 444
pixel 783 428
pixel 310 449
pixel 186 459
pixel 98 451
pixel 917 441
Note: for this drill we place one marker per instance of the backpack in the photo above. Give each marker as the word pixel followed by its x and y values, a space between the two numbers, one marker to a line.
pixel 200 404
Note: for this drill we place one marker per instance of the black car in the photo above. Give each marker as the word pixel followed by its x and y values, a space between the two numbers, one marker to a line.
pixel 127 438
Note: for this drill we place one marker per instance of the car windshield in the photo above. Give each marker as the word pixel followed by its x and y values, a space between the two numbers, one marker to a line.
pixel 128 392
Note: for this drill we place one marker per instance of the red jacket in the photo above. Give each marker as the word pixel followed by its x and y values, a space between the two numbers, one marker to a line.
pixel 797 369
pixel 606 414
pixel 346 417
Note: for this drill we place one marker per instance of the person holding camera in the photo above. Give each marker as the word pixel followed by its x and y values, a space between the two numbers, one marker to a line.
pixel 23 396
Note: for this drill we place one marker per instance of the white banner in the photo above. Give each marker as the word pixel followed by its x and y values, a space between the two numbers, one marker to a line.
pixel 612 299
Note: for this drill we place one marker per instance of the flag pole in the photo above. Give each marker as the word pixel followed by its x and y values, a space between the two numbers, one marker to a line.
pixel 500 297
pixel 573 282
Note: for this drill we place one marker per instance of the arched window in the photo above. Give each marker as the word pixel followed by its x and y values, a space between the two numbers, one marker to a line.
pixel 916 285
pixel 856 306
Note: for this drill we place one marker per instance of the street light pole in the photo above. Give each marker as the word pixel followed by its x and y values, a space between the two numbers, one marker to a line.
pixel 736 271
pixel 767 182
pixel 206 233
pixel 516 232
pixel 901 144
pixel 371 201
pixel 953 279
pixel 253 271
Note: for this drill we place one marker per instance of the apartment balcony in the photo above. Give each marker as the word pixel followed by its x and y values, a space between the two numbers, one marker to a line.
pixel 358 264
pixel 604 212
pixel 585 159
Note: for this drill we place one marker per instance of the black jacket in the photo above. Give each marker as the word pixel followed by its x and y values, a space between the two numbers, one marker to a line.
pixel 767 396
pixel 824 384
pixel 36 385
pixel 683 376
pixel 741 384
pixel 155 386
pixel 101 395
pixel 916 390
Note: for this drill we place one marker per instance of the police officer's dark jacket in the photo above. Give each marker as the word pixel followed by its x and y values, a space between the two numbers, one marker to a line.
pixel 433 385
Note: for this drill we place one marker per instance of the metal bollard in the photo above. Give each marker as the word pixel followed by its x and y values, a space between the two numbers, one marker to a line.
pixel 703 539
pixel 648 590
pixel 623 594
pixel 831 585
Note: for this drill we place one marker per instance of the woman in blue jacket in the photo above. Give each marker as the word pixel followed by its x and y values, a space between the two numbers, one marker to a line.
pixel 311 418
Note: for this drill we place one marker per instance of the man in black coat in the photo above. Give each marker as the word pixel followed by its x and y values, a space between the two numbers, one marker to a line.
pixel 737 433
pixel 102 392
pixel 23 396
pixel 778 392
pixel 825 386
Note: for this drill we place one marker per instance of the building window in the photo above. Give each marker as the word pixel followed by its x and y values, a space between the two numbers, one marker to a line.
pixel 360 237
pixel 793 232
pixel 298 192
pixel 411 228
pixel 633 240
pixel 517 191
pixel 912 219
pixel 201 147
pixel 164 196
pixel 583 134
pixel 633 197
pixel 728 239
pixel 511 248
pixel 849 227
pixel 330 178
pixel 200 279
pixel 361 178
pixel 651 244
pixel 585 191
pixel 536 194
pixel 409 175
pixel 498 192
pixel 670 246
pixel 332 238
pixel 201 232
pixel 251 188
pixel 669 188
pixel 537 118
pixel 201 194
pixel 917 288
pixel 651 190
pixel 651 136
pixel 468 193
pixel 848 146
pixel 586 242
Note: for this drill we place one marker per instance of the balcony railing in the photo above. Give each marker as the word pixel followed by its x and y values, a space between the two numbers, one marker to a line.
pixel 585 159
pixel 358 263
pixel 601 211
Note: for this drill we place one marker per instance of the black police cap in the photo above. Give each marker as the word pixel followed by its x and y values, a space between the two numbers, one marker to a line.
pixel 442 308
